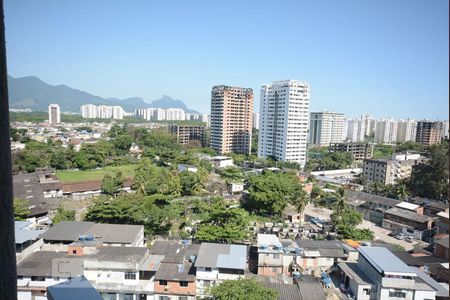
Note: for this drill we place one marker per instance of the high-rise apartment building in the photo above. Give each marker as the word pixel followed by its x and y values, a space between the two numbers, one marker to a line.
pixel 175 114
pixel 231 119
pixel 445 129
pixel 429 132
pixel 91 111
pixel 386 131
pixel 370 124
pixel 354 130
pixel 88 111
pixel 284 121
pixel 256 120
pixel 326 128
pixel 54 114
pixel 406 130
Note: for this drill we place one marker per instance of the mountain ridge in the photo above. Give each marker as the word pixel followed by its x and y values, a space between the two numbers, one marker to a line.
pixel 33 93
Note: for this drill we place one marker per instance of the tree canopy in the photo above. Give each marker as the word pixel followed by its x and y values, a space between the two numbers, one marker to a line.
pixel 243 289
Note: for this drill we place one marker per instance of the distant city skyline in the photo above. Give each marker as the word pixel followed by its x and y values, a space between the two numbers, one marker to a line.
pixel 388 59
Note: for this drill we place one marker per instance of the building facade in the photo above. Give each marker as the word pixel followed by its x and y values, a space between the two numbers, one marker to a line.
pixel 284 121
pixel 406 130
pixel 54 114
pixel 359 151
pixel 90 111
pixel 326 128
pixel 386 131
pixel 231 119
pixel 187 133
pixel 429 132
pixel 256 120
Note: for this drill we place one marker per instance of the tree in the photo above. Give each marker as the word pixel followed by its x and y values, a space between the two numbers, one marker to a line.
pixel 21 209
pixel 431 179
pixel 119 210
pixel 231 174
pixel 402 192
pixel 243 289
pixel 191 183
pixel 112 184
pixel 63 215
pixel 301 201
pixel 270 192
pixel 122 143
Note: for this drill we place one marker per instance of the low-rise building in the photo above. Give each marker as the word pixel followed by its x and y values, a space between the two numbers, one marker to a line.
pixel 389 171
pixel 379 274
pixel 372 207
pixel 400 220
pixel 189 168
pixel 221 161
pixel 27 239
pixel 441 247
pixel 442 222
pixel 359 151
pixel 120 235
pixel 218 262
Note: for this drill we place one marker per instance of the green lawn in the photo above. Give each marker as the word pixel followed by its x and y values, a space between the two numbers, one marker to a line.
pixel 77 176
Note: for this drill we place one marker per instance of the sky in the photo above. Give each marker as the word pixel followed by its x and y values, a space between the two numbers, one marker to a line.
pixel 387 58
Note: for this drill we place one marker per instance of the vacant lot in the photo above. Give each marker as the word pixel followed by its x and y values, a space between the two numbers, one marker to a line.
pixel 76 176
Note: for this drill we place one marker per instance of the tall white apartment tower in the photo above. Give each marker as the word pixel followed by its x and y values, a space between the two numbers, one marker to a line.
pixel 54 114
pixel 406 130
pixel 284 121
pixel 386 131
pixel 325 128
pixel 88 111
pixel 256 120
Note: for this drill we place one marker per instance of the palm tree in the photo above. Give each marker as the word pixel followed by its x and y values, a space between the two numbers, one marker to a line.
pixel 301 201
pixel 340 201
pixel 376 187
pixel 402 192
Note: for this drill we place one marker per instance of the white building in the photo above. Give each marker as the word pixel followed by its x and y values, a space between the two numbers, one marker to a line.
pixel 88 111
pixel 325 128
pixel 91 111
pixel 406 130
pixel 256 120
pixel 370 124
pixel 445 129
pixel 54 114
pixel 175 114
pixel 284 120
pixel 386 131
pixel 354 130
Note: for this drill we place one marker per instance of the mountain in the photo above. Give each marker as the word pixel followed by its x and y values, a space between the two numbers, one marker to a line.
pixel 168 102
pixel 31 92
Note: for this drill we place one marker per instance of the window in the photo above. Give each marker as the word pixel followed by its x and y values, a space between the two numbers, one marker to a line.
pixel 163 282
pixel 397 294
pixel 208 269
pixel 184 283
pixel 276 256
pixel 74 251
pixel 206 283
pixel 182 298
pixel 128 297
pixel 130 275
pixel 164 298
pixel 366 291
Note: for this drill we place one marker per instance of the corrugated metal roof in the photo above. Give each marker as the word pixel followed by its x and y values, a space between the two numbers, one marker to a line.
pixel 384 261
pixel 66 231
pixel 222 256
pixel 24 235
pixel 74 289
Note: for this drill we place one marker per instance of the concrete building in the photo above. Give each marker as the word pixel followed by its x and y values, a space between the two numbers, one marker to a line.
pixel 325 128
pixel 386 131
pixel 231 119
pixel 88 111
pixel 188 133
pixel 256 120
pixel 359 151
pixel 381 275
pixel 406 130
pixel 218 262
pixel 354 130
pixel 54 114
pixel 445 129
pixel 284 121
pixel 175 114
pixel 399 220
pixel 370 125
pixel 389 171
pixel 429 132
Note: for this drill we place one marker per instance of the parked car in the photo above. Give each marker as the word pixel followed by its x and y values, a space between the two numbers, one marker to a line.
pixel 410 238
pixel 400 236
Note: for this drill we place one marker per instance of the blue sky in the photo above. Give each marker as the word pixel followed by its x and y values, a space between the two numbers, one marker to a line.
pixel 388 58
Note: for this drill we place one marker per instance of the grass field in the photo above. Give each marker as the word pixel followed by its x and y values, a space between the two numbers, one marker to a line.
pixel 77 176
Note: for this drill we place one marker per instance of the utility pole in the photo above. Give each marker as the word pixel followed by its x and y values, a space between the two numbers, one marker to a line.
pixel 8 274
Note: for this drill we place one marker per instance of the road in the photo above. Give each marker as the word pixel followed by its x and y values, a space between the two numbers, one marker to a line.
pixel 379 232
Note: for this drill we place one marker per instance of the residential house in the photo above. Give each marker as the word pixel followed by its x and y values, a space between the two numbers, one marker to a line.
pixel 27 240
pixel 218 262
pixel 73 289
pixel 379 274
pixel 441 247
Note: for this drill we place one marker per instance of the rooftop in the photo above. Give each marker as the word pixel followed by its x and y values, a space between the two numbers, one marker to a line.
pixel 441 291
pixel 268 240
pixel 25 235
pixel 384 261
pixel 366 197
pixel 176 272
pixel 352 270
pixel 222 256
pixel 174 251
pixel 39 263
pixel 408 206
pixel 66 231
pixel 121 254
pixel 115 233
pixel 443 242
pixel 409 215
pixel 74 289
